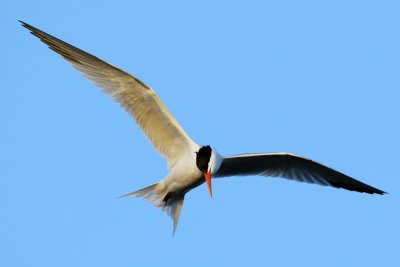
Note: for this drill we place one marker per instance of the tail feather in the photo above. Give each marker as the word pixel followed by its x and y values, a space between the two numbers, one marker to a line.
pixel 156 195
pixel 174 208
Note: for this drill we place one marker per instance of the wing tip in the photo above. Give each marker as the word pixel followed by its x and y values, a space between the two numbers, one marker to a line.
pixel 379 192
pixel 26 25
pixel 371 191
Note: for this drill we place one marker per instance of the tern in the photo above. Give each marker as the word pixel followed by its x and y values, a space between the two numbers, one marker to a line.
pixel 189 163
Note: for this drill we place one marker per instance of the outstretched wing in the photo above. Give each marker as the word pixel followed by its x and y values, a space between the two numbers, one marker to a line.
pixel 138 99
pixel 291 167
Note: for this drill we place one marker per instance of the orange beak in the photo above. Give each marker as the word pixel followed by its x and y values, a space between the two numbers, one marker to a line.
pixel 207 175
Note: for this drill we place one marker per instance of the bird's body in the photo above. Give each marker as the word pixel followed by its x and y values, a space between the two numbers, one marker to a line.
pixel 189 163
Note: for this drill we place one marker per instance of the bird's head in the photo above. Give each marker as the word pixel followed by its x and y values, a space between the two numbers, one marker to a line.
pixel 203 162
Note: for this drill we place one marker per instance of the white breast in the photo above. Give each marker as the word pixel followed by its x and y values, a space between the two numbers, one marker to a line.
pixel 184 173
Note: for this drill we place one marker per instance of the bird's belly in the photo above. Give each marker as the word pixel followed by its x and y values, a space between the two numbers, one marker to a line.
pixel 182 182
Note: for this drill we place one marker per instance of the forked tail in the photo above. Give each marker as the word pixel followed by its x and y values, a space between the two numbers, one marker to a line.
pixel 157 195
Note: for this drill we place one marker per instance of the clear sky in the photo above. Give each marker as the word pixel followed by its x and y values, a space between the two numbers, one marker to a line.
pixel 315 78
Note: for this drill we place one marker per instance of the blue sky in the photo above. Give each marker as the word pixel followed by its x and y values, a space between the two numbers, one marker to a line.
pixel 315 78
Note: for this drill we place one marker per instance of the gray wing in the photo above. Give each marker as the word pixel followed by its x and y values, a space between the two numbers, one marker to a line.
pixel 291 167
pixel 139 100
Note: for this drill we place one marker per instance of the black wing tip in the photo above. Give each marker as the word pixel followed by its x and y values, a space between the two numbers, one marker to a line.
pixel 371 191
pixel 32 29
pixel 380 192
pixel 363 189
pixel 35 31
pixel 26 25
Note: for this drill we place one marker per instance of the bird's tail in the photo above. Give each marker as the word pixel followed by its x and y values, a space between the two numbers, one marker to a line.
pixel 157 195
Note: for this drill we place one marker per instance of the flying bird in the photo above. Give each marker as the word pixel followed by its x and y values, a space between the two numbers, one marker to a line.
pixel 189 163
